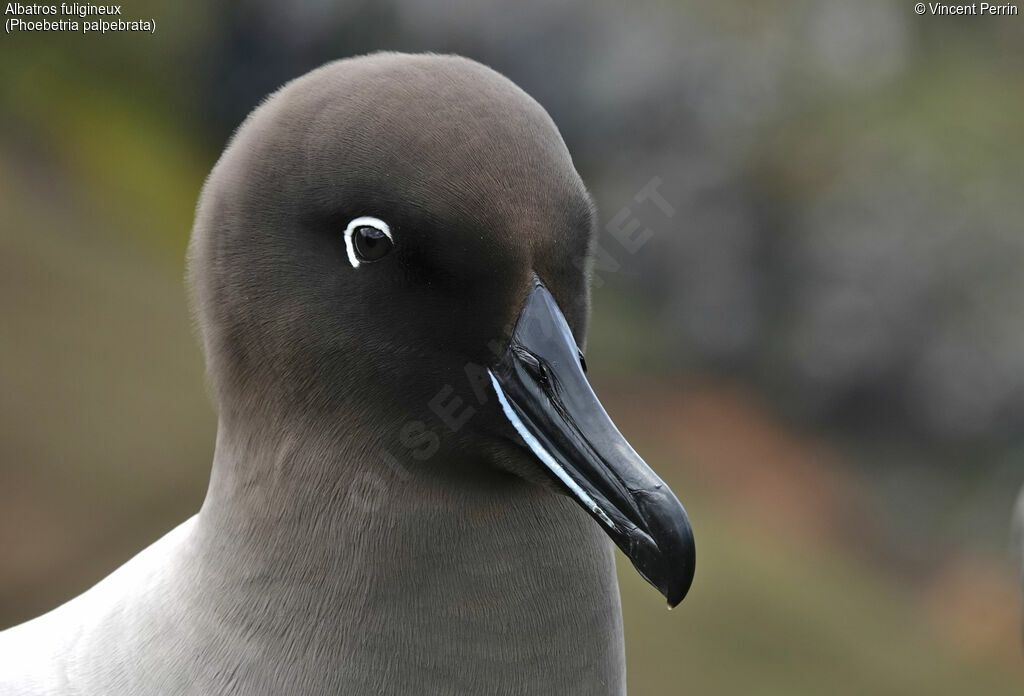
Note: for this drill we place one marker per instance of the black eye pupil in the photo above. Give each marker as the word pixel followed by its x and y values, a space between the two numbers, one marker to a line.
pixel 371 243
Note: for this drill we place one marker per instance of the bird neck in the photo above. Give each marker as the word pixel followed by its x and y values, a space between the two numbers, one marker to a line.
pixel 326 540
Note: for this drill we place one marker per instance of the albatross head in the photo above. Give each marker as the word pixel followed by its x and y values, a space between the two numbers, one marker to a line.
pixel 400 244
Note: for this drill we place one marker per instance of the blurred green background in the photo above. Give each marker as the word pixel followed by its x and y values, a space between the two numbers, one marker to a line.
pixel 821 348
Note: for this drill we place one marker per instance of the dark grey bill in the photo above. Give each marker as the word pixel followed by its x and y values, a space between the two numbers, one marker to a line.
pixel 541 387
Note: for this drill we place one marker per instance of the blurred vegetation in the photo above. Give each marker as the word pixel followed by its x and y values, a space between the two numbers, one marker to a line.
pixel 822 349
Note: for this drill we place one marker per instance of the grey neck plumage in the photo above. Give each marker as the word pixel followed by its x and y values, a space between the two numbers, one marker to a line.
pixel 417 582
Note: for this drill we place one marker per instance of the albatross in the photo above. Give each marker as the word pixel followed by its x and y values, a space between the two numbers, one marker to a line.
pixel 414 489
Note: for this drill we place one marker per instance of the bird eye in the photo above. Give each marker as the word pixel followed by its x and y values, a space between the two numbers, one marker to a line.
pixel 371 243
pixel 367 239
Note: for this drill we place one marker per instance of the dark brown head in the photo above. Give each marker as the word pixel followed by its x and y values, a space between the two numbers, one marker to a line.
pixel 474 184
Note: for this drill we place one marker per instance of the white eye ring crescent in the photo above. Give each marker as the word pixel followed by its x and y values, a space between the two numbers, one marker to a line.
pixel 364 221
